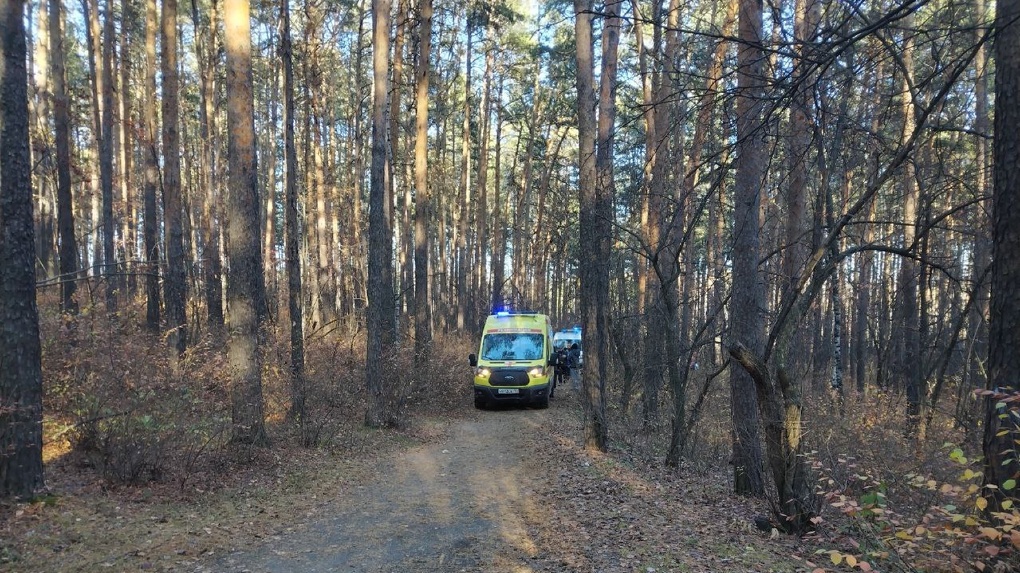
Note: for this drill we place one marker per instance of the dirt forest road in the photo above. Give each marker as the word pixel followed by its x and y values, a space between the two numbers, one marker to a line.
pixel 467 503
pixel 512 491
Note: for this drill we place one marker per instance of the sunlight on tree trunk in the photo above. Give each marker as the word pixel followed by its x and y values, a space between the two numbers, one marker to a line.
pixel 423 212
pixel 246 298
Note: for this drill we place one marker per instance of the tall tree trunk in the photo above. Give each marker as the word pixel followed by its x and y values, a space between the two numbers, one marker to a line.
pixel 298 410
pixel 596 214
pixel 270 136
pixel 106 161
pixel 90 10
pixel 206 49
pixel 977 325
pixel 648 116
pixel 246 291
pixel 644 269
pixel 324 258
pixel 359 279
pixel 498 223
pixel 40 146
pixel 746 300
pixel 908 357
pixel 381 317
pixel 522 215
pixel 21 389
pixel 1000 432
pixel 126 213
pixel 405 292
pixel 464 213
pixel 423 213
pixel 668 250
pixel 481 213
pixel 175 282
pixel 797 245
pixel 588 196
pixel 62 143
pixel 150 158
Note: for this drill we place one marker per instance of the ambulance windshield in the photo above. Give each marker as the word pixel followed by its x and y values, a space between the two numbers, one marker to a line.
pixel 512 346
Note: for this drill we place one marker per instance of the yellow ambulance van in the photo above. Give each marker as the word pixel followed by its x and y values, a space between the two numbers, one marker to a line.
pixel 513 361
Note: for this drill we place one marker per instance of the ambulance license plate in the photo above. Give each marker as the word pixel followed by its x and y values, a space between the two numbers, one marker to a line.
pixel 508 391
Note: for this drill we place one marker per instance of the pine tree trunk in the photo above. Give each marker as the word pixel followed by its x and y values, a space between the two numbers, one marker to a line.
pixel 21 389
pixel 977 325
pixel 481 207
pixel 150 156
pixel 246 296
pixel 498 214
pixel 1000 432
pixel 596 214
pixel 175 282
pixel 126 213
pixel 298 410
pixel 381 304
pixel 212 267
pixel 106 162
pixel 423 214
pixel 62 142
pixel 746 300
pixel 907 324
pixel 464 212
pixel 404 255
pixel 90 11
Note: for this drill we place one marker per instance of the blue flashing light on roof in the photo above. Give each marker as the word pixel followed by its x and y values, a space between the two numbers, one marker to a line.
pixel 502 313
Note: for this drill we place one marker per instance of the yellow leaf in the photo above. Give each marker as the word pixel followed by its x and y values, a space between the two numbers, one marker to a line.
pixel 836 557
pixel 981 503
pixel 851 560
pixel 991 533
pixel 904 535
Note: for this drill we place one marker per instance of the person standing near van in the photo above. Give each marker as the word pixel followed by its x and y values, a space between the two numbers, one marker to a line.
pixel 562 369
pixel 574 363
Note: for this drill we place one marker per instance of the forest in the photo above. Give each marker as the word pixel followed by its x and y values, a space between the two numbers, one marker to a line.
pixel 786 229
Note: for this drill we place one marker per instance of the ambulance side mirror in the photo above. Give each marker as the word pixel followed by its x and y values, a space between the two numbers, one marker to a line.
pixel 472 360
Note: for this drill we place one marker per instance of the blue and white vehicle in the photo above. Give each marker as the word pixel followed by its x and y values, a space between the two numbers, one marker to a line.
pixel 563 339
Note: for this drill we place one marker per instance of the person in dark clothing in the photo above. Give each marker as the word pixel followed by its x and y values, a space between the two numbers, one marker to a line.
pixel 574 364
pixel 574 356
pixel 562 370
